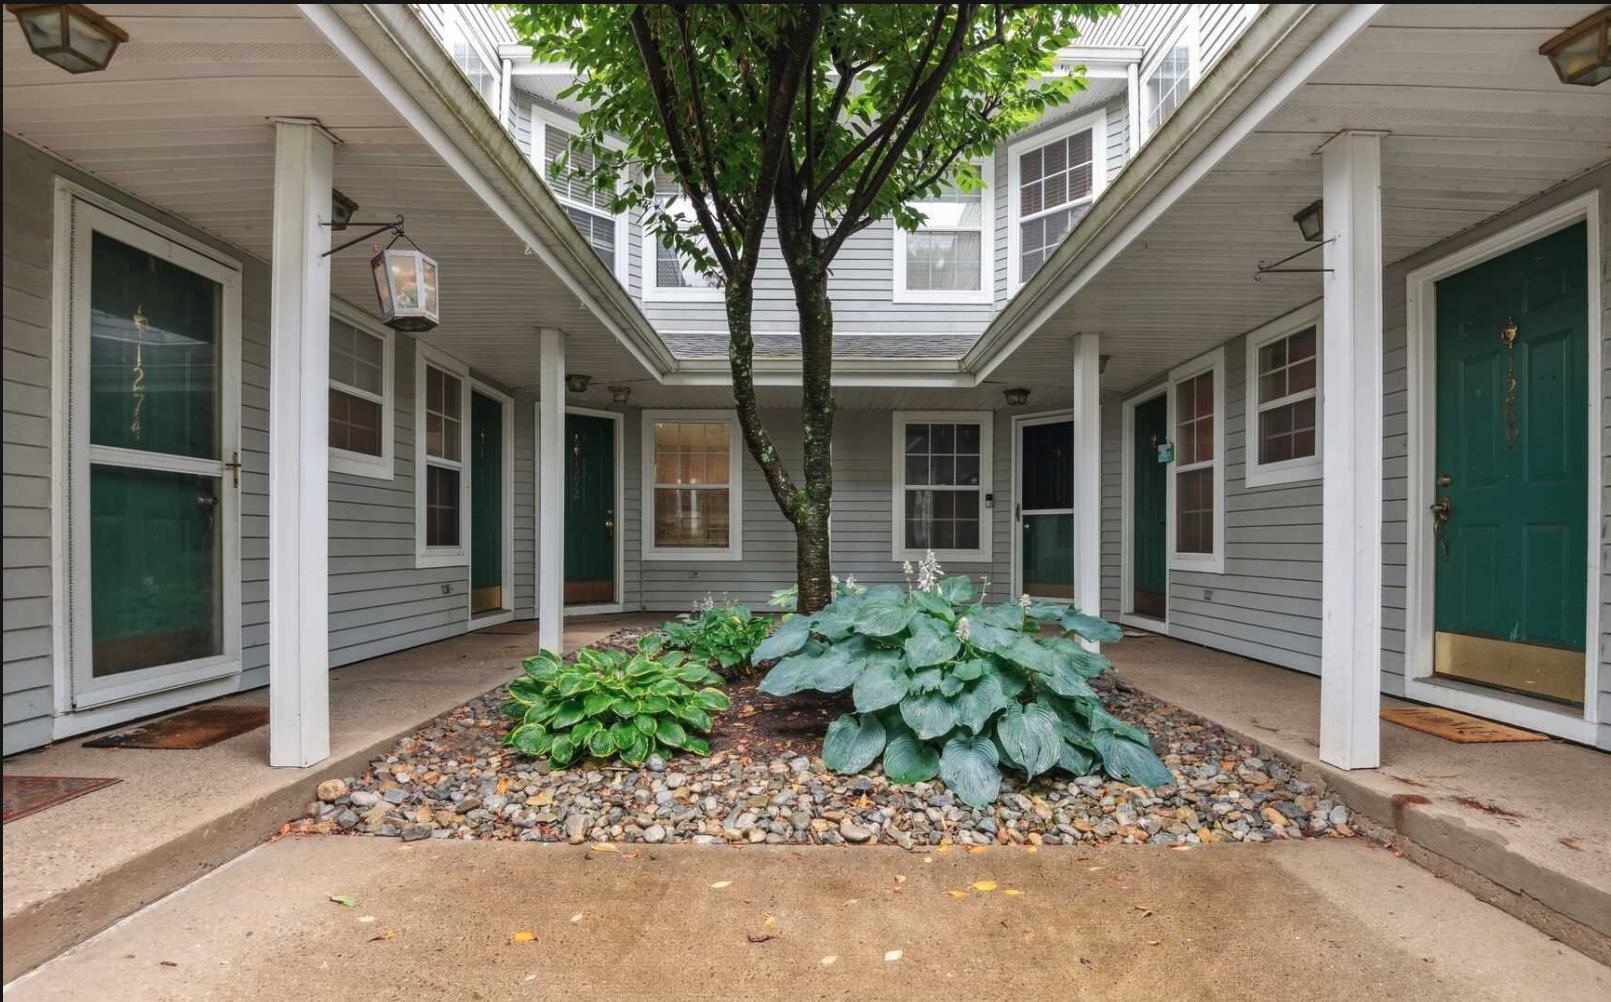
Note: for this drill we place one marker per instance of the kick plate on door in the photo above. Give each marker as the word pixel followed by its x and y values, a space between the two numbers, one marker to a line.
pixel 1546 672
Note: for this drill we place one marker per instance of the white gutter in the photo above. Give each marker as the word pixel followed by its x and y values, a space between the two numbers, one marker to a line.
pixel 996 346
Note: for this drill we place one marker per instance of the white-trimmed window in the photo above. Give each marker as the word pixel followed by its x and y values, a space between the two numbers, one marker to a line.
pixel 553 140
pixel 694 470
pixel 668 275
pixel 950 258
pixel 1283 394
pixel 1197 479
pixel 942 485
pixel 1053 180
pixel 471 52
pixel 1169 76
pixel 361 397
pixel 441 448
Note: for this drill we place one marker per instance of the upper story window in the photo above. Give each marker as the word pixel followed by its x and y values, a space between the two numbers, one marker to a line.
pixel 1283 370
pixel 564 166
pixel 1170 76
pixel 360 399
pixel 667 274
pixel 949 258
pixel 471 54
pixel 1054 178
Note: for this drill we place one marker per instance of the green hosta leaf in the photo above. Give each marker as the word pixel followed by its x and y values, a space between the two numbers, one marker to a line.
pixel 713 700
pixel 526 738
pixel 654 703
pixel 1131 761
pixel 926 648
pixel 828 670
pixel 637 750
pixel 969 767
pixel 1032 654
pixel 585 730
pixel 623 732
pixel 562 751
pixel 624 707
pixel 931 603
pixel 644 722
pixel 881 684
pixel 697 746
pixel 569 713
pixel 908 760
pixel 601 743
pixel 1030 737
pixel 989 637
pixel 789 637
pixel 1075 760
pixel 883 619
pixel 1092 628
pixel 525 689
pixel 852 744
pixel 651 644
pixel 1102 720
pixel 694 717
pixel 957 590
pixel 669 732
pixel 929 714
pixel 980 701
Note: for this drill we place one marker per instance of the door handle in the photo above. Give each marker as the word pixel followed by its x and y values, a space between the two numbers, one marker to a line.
pixel 609 526
pixel 1442 510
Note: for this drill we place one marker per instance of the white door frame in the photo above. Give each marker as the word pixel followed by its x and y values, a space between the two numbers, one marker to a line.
pixel 79 213
pixel 1019 423
pixel 506 404
pixel 619 602
pixel 1421 321
pixel 1127 613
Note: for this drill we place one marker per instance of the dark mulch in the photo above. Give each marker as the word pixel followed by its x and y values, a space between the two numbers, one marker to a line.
pixel 766 727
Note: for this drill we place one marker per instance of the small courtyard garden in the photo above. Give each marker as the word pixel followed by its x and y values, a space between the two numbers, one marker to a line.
pixel 913 717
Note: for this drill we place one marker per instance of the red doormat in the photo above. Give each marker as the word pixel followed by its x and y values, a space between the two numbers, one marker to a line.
pixel 187 731
pixel 25 795
pixel 1457 727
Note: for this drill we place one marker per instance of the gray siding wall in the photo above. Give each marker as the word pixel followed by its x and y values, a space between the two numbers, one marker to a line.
pixel 1150 25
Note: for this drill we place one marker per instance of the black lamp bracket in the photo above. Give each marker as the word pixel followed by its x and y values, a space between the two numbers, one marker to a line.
pixel 1274 267
pixel 395 227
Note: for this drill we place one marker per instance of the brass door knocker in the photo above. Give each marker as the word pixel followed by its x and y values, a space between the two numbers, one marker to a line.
pixel 1512 427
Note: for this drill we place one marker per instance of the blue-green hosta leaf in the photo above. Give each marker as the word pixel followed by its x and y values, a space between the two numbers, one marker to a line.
pixel 929 714
pixel 1043 611
pixel 969 670
pixel 828 669
pixel 1092 628
pixel 1030 737
pixel 928 648
pixel 1075 760
pixel 979 701
pixel 838 620
pixel 1030 653
pixel 883 593
pixel 1007 615
pixel 852 744
pixel 1102 720
pixel 1014 679
pixel 951 684
pixel 957 590
pixel 1131 761
pixel 1065 681
pixel 931 603
pixel 927 680
pixel 908 760
pixel 969 767
pixel 989 637
pixel 789 637
pixel 882 683
pixel 883 619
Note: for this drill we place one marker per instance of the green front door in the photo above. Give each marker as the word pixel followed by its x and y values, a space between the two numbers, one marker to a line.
pixel 1149 511
pixel 1510 518
pixel 589 509
pixel 486 505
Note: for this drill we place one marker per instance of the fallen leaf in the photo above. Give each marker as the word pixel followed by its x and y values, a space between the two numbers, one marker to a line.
pixel 503 785
pixel 1012 892
pixel 828 961
pixel 524 936
pixel 943 847
pixel 763 937
pixel 893 955
pixel 603 847
pixel 388 934
pixel 957 894
pixel 576 918
pixel 1032 848
pixel 976 848
pixel 771 920
pixel 718 885
pixel 344 900
pixel 984 886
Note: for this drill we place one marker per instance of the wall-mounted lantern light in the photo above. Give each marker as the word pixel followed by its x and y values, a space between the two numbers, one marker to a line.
pixel 576 382
pixel 1018 396
pixel 342 209
pixel 620 394
pixel 1582 53
pixel 1311 220
pixel 69 34
pixel 406 280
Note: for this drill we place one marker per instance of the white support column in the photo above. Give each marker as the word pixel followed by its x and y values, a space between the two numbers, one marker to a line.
pixel 1132 85
pixel 299 466
pixel 551 490
pixel 1088 473
pixel 1351 433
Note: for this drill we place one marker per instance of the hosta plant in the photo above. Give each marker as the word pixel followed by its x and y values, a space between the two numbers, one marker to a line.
pixel 726 634
pixel 944 685
pixel 611 703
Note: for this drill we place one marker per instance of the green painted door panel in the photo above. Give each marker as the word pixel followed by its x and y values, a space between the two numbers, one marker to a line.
pixel 486 493
pixel 1149 507
pixel 590 516
pixel 1046 501
pixel 1517 538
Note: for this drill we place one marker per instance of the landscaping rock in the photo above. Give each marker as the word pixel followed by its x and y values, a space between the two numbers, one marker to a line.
pixel 332 790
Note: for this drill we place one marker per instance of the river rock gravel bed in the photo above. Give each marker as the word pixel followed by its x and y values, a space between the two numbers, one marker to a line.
pixel 454 779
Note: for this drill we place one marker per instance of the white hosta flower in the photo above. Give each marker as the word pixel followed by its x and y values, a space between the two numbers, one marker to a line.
pixel 1023 601
pixel 850 583
pixel 963 630
pixel 929 572
pixel 906 567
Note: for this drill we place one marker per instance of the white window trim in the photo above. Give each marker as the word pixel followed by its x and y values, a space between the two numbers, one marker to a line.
pixel 440 556
pixel 541 119
pixel 1187 32
pixel 735 489
pixel 654 292
pixel 986 421
pixel 360 464
pixel 1097 122
pixel 1287 471
pixel 987 257
pixel 1214 561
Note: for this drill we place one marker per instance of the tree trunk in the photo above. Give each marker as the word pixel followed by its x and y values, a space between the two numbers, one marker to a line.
pixel 816 419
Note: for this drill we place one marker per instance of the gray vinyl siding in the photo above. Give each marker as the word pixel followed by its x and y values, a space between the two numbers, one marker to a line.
pixel 1150 25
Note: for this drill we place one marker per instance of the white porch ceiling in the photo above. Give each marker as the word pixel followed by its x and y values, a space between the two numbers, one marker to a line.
pixel 1477 123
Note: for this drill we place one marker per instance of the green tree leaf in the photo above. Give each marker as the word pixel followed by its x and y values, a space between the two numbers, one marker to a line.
pixel 969 767
pixel 908 760
pixel 852 744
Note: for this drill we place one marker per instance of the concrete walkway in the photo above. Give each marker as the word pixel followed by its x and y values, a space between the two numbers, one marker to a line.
pixel 75 868
pixel 1526 826
pixel 1335 919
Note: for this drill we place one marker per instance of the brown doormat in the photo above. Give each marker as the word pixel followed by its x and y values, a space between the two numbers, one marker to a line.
pixel 1457 727
pixel 25 795
pixel 192 729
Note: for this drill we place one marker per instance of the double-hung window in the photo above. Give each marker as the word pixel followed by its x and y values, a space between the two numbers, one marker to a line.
pixel 360 399
pixel 1169 77
pixel 949 258
pixel 565 166
pixel 1283 379
pixel 1197 481
pixel 442 443
pixel 942 485
pixel 471 53
pixel 692 465
pixel 669 275
pixel 1055 177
